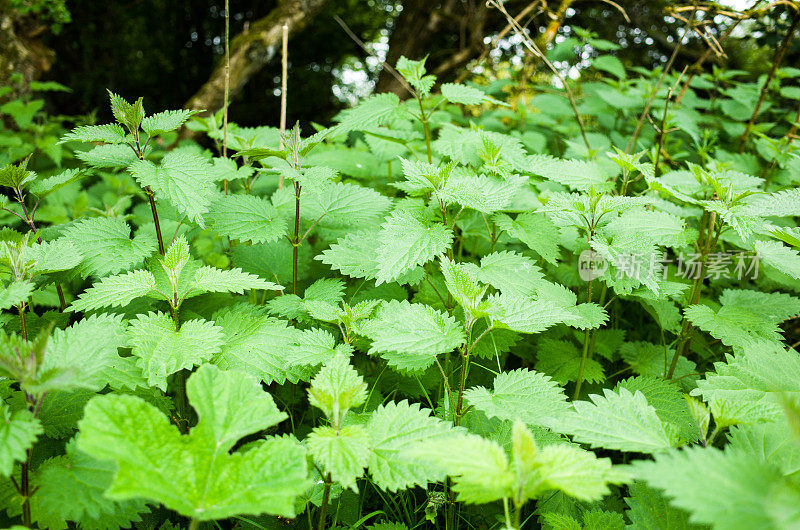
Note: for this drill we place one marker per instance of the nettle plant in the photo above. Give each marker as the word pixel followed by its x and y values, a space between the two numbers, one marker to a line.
pixel 448 311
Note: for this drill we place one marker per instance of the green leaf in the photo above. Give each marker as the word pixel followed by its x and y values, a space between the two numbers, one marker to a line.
pixel 246 218
pixel 479 192
pixel 197 475
pixel 610 64
pixel 130 115
pixel 108 156
pixel 393 428
pixel 15 293
pixel 580 175
pixel 53 256
pixel 561 360
pixel 116 291
pixel 770 442
pixel 526 315
pixel 162 351
pixel 746 388
pixel 618 420
pixel 410 336
pixel 44 187
pixel 511 273
pixel 733 325
pixel 756 493
pixel 668 402
pixel 337 204
pixel 406 242
pixel 783 258
pixel 520 394
pixel 18 432
pixel 465 95
pixel 370 112
pixel 337 388
pixel 209 279
pixel 110 133
pixel 166 121
pixel 106 246
pixel 414 72
pixel 257 344
pixel 88 352
pixel 183 179
pixel 72 487
pixel 538 232
pixel 651 510
pixel 343 453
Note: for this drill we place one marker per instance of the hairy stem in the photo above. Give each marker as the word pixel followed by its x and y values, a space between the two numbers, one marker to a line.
pixel 585 351
pixel 710 237
pixel 22 325
pixel 323 509
pixel 296 240
pixel 226 90
pixel 424 119
pixel 152 200
pixel 284 86
pixel 194 524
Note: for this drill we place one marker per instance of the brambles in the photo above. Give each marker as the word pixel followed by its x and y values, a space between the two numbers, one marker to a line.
pixel 394 338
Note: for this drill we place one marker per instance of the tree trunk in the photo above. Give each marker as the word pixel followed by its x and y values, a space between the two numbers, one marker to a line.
pixel 254 48
pixel 21 52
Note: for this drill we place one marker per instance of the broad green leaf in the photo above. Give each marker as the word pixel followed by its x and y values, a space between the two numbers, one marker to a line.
pixel 166 121
pixel 734 325
pixel 343 453
pixel 337 204
pixel 44 187
pixel 110 133
pixel 18 432
pixel 746 388
pixel 337 388
pixel 520 394
pixel 406 241
pixel 465 95
pixel 561 360
pixel 162 351
pixel 73 487
pixel 15 293
pixel 185 180
pixel 246 218
pixel 88 352
pixel 209 279
pixel 649 509
pixel 257 344
pixel 393 428
pixel 756 493
pixel 195 474
pixel 116 291
pixel 668 402
pixel 372 111
pixel 783 258
pixel 511 273
pixel 106 246
pixel 526 315
pixel 619 420
pixel 410 336
pixel 576 174
pixel 535 230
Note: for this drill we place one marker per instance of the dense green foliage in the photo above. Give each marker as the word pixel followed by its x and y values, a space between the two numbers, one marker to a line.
pixel 390 323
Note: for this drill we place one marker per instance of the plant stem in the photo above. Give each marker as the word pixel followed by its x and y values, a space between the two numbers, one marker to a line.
pixel 323 509
pixel 284 85
pixel 507 512
pixel 585 351
pixel 195 523
pixel 667 67
pixel 23 328
pixel 710 237
pixel 152 200
pixel 424 119
pixel 296 241
pixel 29 220
pixel 226 93
pixel 518 516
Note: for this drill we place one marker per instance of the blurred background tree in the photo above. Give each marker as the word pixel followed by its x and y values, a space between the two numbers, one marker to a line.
pixel 167 50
